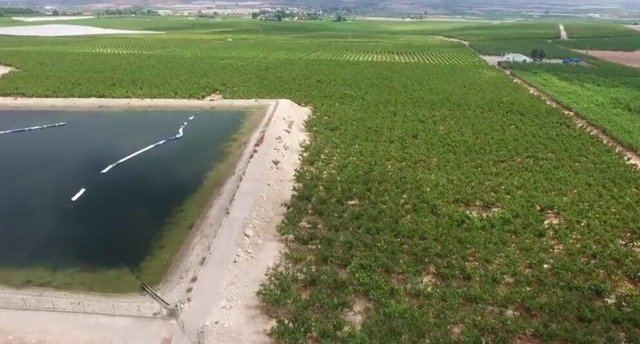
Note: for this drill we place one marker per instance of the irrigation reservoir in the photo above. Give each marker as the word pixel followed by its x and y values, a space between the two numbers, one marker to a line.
pixel 58 210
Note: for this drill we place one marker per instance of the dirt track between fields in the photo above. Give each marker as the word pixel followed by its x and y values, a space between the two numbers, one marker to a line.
pixel 630 156
pixel 449 39
pixel 221 266
pixel 563 33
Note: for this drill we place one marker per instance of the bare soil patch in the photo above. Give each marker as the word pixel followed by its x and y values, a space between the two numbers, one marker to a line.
pixel 482 210
pixel 627 58
pixel 358 311
pixel 449 39
pixel 634 27
pixel 552 218
pixel 59 30
pixel 563 33
pixel 5 69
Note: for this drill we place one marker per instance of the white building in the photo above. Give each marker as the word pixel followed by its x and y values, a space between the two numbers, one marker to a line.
pixel 511 57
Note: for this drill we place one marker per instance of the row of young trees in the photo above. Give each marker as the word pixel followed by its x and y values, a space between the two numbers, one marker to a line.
pixel 538 54
pixel 16 11
pixel 136 11
pixel 282 14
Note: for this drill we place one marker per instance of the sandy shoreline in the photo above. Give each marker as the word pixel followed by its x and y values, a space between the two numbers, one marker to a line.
pixel 237 236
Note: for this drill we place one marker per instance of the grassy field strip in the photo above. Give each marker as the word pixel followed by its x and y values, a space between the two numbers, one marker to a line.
pixel 631 156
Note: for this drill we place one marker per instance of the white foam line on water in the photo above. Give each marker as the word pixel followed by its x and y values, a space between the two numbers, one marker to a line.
pixel 12 131
pixel 78 195
pixel 175 137
pixel 108 168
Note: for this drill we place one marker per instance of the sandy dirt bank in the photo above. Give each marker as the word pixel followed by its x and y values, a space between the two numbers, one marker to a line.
pixel 225 306
pixel 230 249
pixel 21 327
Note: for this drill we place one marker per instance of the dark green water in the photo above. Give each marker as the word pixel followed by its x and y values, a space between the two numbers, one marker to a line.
pixel 115 222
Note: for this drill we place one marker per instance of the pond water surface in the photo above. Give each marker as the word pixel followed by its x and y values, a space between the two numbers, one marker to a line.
pixel 116 220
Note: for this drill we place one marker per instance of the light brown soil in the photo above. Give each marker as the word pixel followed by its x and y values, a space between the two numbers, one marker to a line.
pixel 451 39
pixel 627 58
pixel 563 33
pixel 634 27
pixel 552 218
pixel 5 69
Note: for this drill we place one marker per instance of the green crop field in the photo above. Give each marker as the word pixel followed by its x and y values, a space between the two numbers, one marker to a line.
pixel 436 197
pixel 605 94
pixel 494 39
pixel 599 36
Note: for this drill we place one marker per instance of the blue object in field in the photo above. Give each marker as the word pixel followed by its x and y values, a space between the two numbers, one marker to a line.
pixel 572 60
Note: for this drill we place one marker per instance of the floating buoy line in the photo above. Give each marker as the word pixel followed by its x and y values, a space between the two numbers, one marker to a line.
pixel 38 127
pixel 78 195
pixel 134 154
pixel 149 147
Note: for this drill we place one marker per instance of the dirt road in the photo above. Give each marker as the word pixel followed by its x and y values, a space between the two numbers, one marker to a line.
pixel 563 33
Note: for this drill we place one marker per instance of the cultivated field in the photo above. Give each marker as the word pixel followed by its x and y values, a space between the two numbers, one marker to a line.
pixel 627 58
pixel 603 93
pixel 437 199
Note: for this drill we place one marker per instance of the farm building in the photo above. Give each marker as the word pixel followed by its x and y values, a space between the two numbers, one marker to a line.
pixel 512 57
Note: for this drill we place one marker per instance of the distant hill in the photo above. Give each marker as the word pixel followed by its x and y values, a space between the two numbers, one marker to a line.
pixel 460 7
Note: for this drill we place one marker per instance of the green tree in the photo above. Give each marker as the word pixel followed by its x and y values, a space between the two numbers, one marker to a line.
pixel 538 54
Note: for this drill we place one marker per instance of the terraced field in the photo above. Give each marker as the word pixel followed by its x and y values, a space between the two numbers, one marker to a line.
pixel 439 56
pixel 436 202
